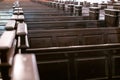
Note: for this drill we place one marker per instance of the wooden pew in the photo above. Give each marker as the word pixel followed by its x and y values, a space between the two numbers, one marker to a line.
pixel 7 50
pixel 70 54
pixel 25 67
pixel 65 24
pixel 93 62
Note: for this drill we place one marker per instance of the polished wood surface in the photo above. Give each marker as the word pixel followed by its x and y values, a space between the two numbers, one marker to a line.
pixel 11 24
pixel 6 39
pixel 22 29
pixel 25 67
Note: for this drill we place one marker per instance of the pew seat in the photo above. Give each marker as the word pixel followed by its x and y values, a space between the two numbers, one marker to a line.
pixel 72 37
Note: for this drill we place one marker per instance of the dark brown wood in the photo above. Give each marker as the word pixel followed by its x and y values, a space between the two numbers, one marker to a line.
pixel 112 17
pixel 25 67
pixel 38 18
pixel 74 62
pixel 72 37
pixel 65 24
pixel 94 13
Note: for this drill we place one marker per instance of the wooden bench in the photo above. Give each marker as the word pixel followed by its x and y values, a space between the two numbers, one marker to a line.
pixel 7 50
pixel 11 24
pixel 25 67
pixel 83 62
pixel 71 53
pixel 72 37
pixel 65 24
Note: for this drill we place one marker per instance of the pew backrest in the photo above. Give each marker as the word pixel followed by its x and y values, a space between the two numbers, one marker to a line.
pixel 72 37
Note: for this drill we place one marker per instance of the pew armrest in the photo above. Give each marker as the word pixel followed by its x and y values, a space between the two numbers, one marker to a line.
pixel 25 67
pixel 22 29
pixel 6 39
pixel 10 25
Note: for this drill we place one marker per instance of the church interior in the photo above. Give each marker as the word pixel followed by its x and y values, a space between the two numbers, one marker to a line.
pixel 59 40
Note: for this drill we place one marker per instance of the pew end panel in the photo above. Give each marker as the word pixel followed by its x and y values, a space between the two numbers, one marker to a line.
pixel 7 51
pixel 11 25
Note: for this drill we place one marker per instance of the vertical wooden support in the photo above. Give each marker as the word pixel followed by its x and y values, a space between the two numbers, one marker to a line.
pixel 112 17
pixel 71 8
pixel 94 13
pixel 78 10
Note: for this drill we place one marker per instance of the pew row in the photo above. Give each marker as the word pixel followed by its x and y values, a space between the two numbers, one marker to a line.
pixel 25 67
pixel 85 62
pixel 72 37
pixel 65 24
